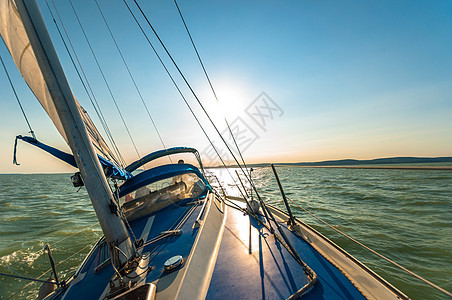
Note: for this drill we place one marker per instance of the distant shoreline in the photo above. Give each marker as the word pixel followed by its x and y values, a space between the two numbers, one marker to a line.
pixel 396 163
pixel 375 167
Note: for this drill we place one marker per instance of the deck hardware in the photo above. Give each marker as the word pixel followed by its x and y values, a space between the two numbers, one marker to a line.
pixel 146 291
pixel 171 232
pixel 139 243
pixel 291 220
pixel 173 263
pixel 243 186
pixel 251 204
pixel 113 208
pixel 199 218
pixel 116 290
pixel 52 263
pixel 197 202
pixel 77 180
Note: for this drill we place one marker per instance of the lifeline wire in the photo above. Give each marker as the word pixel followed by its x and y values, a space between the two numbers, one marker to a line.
pixel 26 278
pixel 39 252
pixel 91 244
pixel 42 250
pixel 375 252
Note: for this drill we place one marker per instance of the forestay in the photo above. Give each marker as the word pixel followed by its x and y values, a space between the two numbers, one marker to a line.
pixel 16 40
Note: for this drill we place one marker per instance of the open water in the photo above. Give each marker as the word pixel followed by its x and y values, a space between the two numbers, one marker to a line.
pixel 405 215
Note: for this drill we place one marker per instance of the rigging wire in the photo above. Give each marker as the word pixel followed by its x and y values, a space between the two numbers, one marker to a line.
pixel 266 214
pixel 17 98
pixel 210 82
pixel 172 80
pixel 195 95
pixel 180 92
pixel 131 77
pixel 90 96
pixel 26 278
pixel 105 79
pixel 216 97
pixel 247 176
pixel 115 193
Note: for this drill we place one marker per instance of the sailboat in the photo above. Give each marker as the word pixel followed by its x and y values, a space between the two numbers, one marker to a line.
pixel 169 233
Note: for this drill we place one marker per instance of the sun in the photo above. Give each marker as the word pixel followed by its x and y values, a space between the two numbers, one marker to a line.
pixel 232 100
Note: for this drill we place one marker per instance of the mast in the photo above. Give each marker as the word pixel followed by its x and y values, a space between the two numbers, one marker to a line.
pixel 85 156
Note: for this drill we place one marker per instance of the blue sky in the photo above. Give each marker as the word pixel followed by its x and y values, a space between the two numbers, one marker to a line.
pixel 350 79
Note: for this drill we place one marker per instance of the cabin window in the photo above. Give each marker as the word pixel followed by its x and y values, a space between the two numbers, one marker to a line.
pixel 163 192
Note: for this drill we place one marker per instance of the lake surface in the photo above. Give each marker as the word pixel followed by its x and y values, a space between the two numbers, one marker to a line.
pixel 405 215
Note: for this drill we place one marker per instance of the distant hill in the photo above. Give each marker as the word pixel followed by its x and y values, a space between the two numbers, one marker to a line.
pixel 377 161
pixel 357 162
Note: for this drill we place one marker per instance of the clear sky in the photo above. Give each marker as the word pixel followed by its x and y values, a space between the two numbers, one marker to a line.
pixel 341 79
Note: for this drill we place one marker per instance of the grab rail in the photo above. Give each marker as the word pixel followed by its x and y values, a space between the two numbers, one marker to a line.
pixel 201 212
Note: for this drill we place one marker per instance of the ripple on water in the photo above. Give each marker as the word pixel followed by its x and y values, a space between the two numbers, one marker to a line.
pixel 16 218
pixel 405 215
pixel 21 256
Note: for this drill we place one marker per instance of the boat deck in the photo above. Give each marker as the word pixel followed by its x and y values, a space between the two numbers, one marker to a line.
pixel 229 255
pixel 92 284
pixel 252 264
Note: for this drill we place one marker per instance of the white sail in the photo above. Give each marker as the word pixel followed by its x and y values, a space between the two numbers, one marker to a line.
pixel 23 29
pixel 18 44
